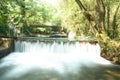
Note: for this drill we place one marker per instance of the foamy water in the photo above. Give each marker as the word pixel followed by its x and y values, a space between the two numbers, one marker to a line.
pixel 58 56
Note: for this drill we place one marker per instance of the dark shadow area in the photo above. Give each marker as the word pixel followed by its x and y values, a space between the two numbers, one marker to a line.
pixel 95 72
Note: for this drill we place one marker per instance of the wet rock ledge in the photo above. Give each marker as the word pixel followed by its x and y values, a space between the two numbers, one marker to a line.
pixel 6 46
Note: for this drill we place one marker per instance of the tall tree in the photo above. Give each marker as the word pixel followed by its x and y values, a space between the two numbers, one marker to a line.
pixel 108 45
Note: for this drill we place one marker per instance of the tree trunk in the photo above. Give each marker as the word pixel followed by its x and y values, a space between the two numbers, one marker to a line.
pixel 114 24
pixel 109 47
pixel 108 20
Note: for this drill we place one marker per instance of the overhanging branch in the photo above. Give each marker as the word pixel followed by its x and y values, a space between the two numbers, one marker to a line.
pixel 88 16
pixel 81 5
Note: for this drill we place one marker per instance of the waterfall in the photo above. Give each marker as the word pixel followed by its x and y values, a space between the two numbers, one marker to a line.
pixel 59 56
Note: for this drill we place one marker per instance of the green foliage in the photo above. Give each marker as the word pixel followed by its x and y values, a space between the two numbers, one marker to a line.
pixel 3 12
pixel 112 9
pixel 73 19
pixel 4 15
pixel 4 30
pixel 28 12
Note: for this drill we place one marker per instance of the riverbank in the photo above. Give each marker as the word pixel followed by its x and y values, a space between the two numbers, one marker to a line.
pixel 4 43
pixel 6 46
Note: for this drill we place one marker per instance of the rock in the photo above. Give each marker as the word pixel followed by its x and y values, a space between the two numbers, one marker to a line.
pixel 71 35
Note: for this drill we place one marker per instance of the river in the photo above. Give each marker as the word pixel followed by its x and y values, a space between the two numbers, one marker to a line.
pixel 57 60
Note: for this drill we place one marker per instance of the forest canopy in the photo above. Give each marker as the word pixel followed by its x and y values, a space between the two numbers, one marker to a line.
pixel 28 12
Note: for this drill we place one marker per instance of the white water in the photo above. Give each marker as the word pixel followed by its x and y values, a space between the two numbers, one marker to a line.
pixel 56 56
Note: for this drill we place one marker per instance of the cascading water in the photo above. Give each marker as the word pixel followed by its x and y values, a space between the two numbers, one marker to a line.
pixel 50 59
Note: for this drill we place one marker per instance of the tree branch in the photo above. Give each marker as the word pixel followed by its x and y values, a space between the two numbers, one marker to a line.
pixel 88 16
pixel 81 5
